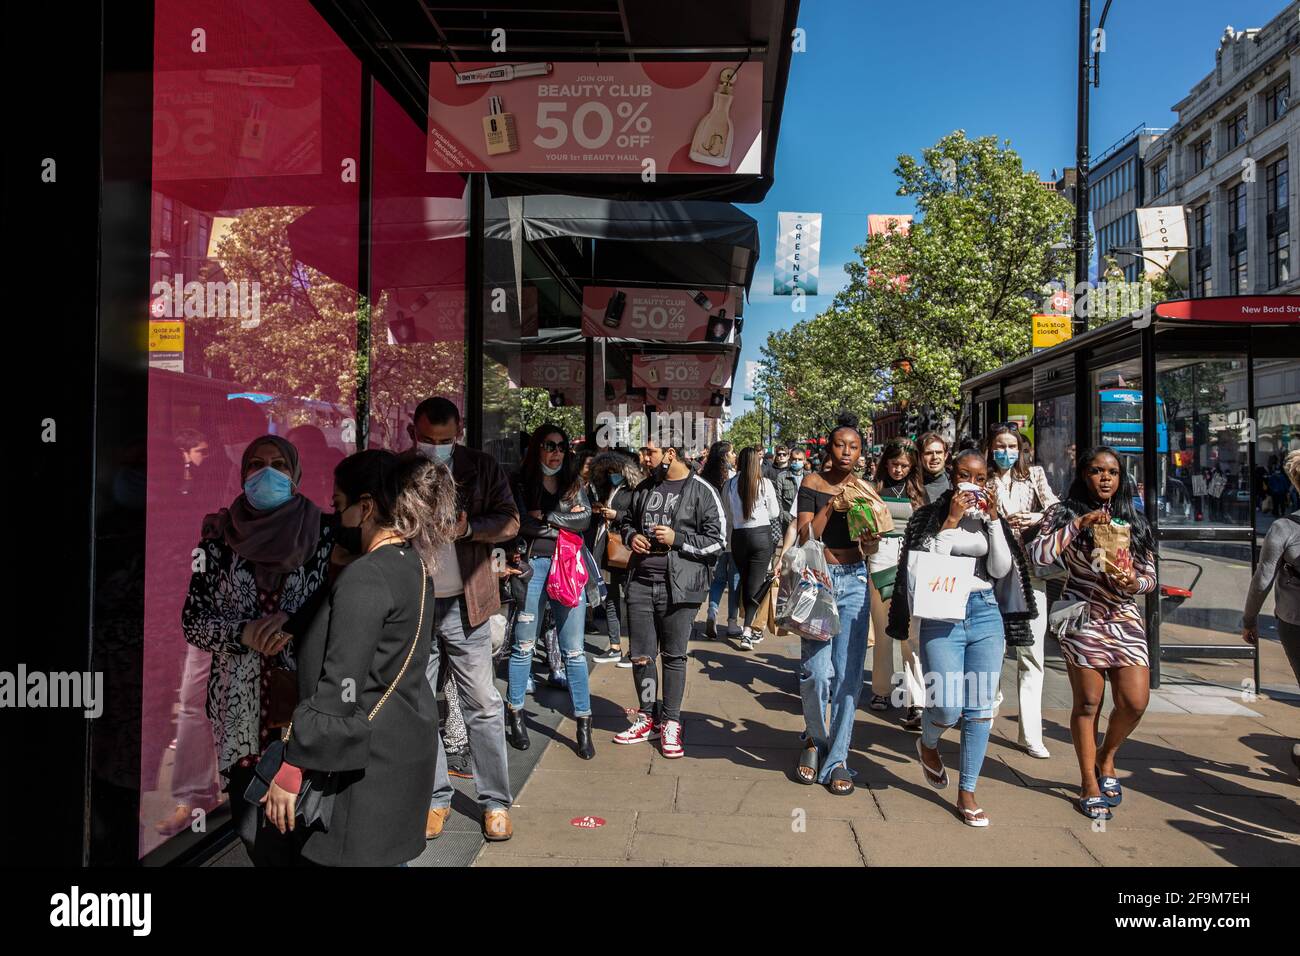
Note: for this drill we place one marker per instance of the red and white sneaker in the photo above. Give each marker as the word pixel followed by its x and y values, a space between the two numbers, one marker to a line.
pixel 670 743
pixel 644 729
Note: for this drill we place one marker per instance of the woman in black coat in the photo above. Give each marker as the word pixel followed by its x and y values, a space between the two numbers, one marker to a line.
pixel 366 714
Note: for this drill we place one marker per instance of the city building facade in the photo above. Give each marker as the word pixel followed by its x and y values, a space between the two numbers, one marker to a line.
pixel 1227 162
pixel 1116 190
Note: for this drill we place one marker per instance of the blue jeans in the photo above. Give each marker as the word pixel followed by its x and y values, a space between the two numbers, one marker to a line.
pixel 569 623
pixel 831 671
pixel 962 665
pixel 725 575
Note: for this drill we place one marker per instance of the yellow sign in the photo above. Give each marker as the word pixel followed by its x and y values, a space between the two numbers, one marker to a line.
pixel 167 335
pixel 1051 330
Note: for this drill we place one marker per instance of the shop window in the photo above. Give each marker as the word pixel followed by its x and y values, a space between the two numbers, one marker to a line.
pixel 1277 423
pixel 1204 461
pixel 1117 416
pixel 1202 585
pixel 419 233
pixel 257 338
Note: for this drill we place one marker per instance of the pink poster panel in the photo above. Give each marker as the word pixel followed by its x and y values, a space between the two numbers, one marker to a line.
pixel 563 374
pixel 546 117
pixel 681 371
pixel 661 315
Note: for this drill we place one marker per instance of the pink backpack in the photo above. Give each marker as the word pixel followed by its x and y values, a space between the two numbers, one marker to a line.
pixel 568 576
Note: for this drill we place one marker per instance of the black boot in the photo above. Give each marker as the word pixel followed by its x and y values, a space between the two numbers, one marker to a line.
pixel 516 732
pixel 586 749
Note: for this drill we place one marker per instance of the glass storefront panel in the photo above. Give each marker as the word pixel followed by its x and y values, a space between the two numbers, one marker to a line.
pixel 1218 575
pixel 1053 436
pixel 1203 424
pixel 246 336
pixel 1277 422
pixel 1116 396
pixel 419 237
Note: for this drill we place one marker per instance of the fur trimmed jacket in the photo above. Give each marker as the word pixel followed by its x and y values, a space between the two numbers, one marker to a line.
pixel 1018 605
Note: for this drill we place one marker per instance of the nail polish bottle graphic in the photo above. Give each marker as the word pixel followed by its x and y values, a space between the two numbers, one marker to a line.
pixel 499 129
pixel 714 134
pixel 254 141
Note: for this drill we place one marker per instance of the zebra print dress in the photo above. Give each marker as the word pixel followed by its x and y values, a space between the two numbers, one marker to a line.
pixel 1113 634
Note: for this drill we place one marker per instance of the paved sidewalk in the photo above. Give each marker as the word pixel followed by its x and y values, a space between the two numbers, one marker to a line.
pixel 1201 788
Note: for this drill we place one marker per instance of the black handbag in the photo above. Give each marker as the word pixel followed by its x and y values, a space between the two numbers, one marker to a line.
pixel 315 803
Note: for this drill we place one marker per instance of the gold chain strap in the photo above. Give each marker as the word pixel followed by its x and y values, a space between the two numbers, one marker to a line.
pixel 419 626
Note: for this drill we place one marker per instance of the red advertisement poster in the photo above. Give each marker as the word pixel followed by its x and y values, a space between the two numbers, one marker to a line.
pixel 425 314
pixel 221 124
pixel 681 371
pixel 549 117
pixel 565 374
pixel 661 315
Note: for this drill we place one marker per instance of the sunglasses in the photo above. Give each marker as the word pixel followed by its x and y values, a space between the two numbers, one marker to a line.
pixel 1014 426
pixel 555 445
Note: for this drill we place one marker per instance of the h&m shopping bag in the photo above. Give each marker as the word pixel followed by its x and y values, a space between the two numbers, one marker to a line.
pixel 938 585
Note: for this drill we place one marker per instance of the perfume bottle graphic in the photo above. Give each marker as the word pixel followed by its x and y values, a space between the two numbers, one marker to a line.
pixel 614 309
pixel 714 134
pixel 254 141
pixel 499 129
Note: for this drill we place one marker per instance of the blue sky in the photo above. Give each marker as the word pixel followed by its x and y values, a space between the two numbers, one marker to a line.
pixel 880 78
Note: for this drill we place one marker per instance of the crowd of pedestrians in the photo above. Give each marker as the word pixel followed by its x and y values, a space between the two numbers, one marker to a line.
pixel 325 638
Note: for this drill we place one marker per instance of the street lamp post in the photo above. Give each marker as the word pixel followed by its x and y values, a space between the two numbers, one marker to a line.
pixel 1081 160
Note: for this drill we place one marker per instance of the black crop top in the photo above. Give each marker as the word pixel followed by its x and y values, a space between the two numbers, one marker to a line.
pixel 836 534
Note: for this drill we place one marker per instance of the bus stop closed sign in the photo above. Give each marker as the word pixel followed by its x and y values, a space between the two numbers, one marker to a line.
pixel 1050 330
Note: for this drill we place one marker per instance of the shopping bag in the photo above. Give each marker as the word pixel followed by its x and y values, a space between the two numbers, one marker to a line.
pixel 568 576
pixel 1111 547
pixel 765 619
pixel 865 509
pixel 806 594
pixel 938 585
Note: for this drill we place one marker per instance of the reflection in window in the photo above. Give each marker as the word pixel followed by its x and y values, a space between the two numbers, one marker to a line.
pixel 1206 477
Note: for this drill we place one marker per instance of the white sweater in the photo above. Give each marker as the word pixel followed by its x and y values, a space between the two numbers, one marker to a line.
pixel 766 507
pixel 973 538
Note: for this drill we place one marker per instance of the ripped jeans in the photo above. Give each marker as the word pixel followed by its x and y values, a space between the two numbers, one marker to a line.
pixel 569 623
pixel 962 665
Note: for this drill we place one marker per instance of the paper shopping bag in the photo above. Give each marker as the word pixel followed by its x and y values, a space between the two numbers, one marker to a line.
pixel 938 585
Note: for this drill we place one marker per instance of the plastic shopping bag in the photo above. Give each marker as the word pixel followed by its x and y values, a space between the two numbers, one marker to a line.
pixel 805 594
pixel 938 585
pixel 568 575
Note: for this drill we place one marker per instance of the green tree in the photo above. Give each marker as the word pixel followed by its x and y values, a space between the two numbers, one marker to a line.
pixel 934 305
pixel 745 430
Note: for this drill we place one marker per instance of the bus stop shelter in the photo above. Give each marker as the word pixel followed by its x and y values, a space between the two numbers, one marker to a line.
pixel 1201 397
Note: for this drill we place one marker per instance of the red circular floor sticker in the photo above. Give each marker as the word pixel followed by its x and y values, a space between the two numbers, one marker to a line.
pixel 587 823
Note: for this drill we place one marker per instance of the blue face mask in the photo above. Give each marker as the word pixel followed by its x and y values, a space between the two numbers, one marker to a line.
pixel 268 488
pixel 432 452
pixel 615 480
pixel 1006 457
pixel 796 465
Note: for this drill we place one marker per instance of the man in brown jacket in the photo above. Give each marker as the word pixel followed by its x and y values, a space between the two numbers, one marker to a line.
pixel 467 593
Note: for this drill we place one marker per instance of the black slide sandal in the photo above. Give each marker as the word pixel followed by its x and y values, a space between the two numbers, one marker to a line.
pixel 808 761
pixel 840 775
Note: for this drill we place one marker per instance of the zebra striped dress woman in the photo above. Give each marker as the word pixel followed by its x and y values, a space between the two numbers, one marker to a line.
pixel 1105 639
pixel 1112 633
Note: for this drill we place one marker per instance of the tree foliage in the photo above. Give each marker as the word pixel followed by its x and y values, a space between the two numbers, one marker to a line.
pixel 929 307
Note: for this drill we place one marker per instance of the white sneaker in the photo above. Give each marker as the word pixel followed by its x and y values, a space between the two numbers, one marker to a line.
pixel 1037 750
pixel 756 636
pixel 747 641
pixel 670 743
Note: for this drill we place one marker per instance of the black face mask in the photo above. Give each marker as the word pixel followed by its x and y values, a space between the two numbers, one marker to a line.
pixel 349 539
pixel 661 472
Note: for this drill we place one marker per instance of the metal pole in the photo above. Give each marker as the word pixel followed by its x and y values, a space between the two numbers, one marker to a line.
pixel 1081 162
